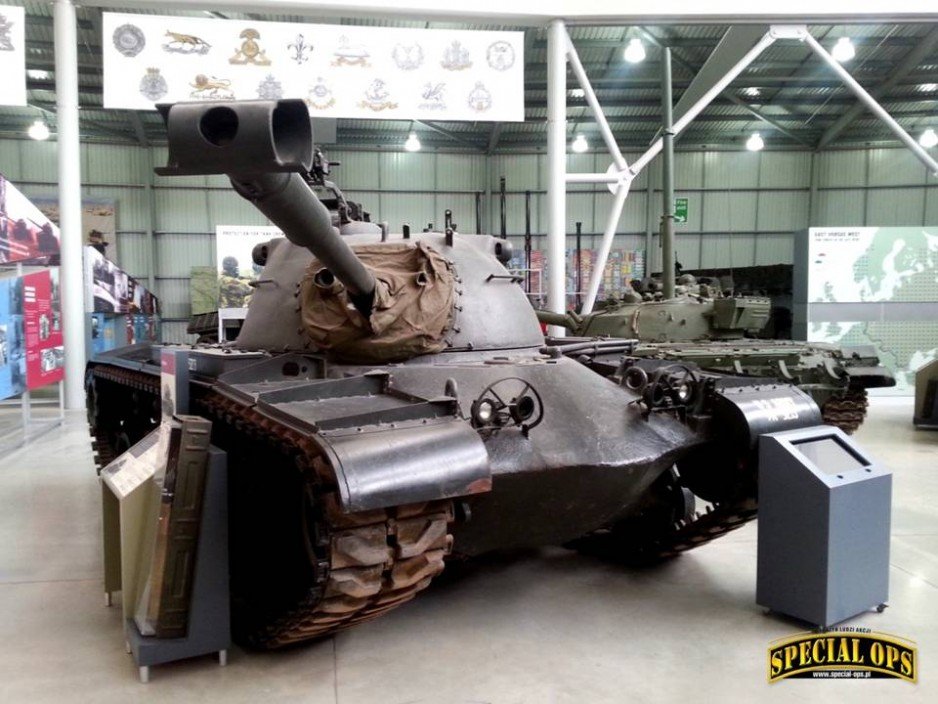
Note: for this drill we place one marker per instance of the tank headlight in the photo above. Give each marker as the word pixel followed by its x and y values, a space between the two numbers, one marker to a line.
pixel 684 391
pixel 483 411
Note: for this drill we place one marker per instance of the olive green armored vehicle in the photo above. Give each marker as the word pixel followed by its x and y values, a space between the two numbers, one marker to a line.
pixel 718 332
pixel 390 402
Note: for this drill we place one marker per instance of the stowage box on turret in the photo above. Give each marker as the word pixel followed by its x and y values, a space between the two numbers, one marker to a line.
pixel 390 402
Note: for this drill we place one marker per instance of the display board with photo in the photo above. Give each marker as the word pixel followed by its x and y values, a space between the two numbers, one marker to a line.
pixel 112 290
pixel 235 264
pixel 12 337
pixel 42 321
pixel 98 222
pixel 27 235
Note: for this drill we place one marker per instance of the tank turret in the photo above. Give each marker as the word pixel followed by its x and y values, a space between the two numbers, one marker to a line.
pixel 409 298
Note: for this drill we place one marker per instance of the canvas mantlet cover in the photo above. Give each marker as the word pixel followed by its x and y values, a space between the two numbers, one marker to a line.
pixel 412 310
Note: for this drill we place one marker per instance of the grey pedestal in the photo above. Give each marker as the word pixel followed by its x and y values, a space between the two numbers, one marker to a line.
pixel 824 513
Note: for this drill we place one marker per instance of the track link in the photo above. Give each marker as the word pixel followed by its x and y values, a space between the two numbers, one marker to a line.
pixel 847 411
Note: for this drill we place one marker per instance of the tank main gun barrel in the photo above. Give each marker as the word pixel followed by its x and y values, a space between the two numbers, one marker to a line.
pixel 563 320
pixel 265 147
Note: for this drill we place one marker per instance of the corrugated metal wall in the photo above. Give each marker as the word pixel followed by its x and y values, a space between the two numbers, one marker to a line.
pixel 743 206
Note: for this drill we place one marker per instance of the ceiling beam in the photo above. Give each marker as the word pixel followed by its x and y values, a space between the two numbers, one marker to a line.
pixel 902 69
pixel 728 94
pixel 711 42
pixel 447 133
pixel 134 118
pixel 494 136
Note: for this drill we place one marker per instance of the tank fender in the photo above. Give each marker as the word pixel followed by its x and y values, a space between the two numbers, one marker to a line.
pixel 746 412
pixel 405 463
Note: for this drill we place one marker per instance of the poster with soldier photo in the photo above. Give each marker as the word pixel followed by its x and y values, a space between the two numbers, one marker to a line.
pixel 235 265
pixel 26 234
pixel 98 222
pixel 12 338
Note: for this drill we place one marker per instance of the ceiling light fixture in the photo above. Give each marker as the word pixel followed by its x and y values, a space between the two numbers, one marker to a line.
pixel 412 144
pixel 752 92
pixel 635 51
pixel 39 130
pixel 928 87
pixel 843 50
pixel 928 138
pixel 755 142
pixel 579 144
pixel 577 93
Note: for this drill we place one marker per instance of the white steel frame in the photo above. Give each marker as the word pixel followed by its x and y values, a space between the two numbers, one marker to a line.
pixel 621 174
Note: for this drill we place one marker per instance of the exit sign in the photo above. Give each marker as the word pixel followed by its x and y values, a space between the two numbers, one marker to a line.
pixel 680 210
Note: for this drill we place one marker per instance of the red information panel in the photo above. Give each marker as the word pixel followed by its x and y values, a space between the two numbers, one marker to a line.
pixel 42 320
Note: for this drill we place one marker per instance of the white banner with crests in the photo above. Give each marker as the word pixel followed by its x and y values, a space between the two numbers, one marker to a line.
pixel 349 71
pixel 12 55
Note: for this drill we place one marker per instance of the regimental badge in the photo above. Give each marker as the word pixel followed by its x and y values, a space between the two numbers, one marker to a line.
pixel 250 51
pixel 128 39
pixel 301 50
pixel 432 95
pixel 178 43
pixel 377 97
pixel 456 57
pixel 408 56
pixel 320 95
pixel 6 42
pixel 153 85
pixel 500 55
pixel 350 54
pixel 270 88
pixel 480 99
pixel 211 88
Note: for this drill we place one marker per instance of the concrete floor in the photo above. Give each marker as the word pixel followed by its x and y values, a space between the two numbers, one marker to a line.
pixel 545 626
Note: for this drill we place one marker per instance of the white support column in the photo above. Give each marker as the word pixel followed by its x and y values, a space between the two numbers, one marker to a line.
pixel 72 278
pixel 556 171
pixel 604 248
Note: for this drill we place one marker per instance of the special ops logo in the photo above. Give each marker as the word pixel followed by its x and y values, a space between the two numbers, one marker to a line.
pixel 843 654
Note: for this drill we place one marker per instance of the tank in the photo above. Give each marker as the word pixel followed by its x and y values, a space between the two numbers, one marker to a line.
pixel 718 332
pixel 390 404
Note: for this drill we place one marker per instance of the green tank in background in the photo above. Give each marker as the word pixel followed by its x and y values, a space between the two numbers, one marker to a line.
pixel 719 332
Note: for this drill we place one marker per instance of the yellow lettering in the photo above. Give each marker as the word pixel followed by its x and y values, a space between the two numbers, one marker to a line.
pixel 857 658
pixel 804 651
pixel 877 654
pixel 905 666
pixel 892 656
pixel 817 652
pixel 790 652
pixel 843 652
pixel 776 663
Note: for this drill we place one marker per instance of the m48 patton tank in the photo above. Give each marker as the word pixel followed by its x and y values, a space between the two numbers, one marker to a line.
pixel 390 402
pixel 701 325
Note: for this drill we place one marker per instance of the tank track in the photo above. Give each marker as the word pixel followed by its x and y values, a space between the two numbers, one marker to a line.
pixel 356 566
pixel 121 388
pixel 847 411
pixel 686 534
